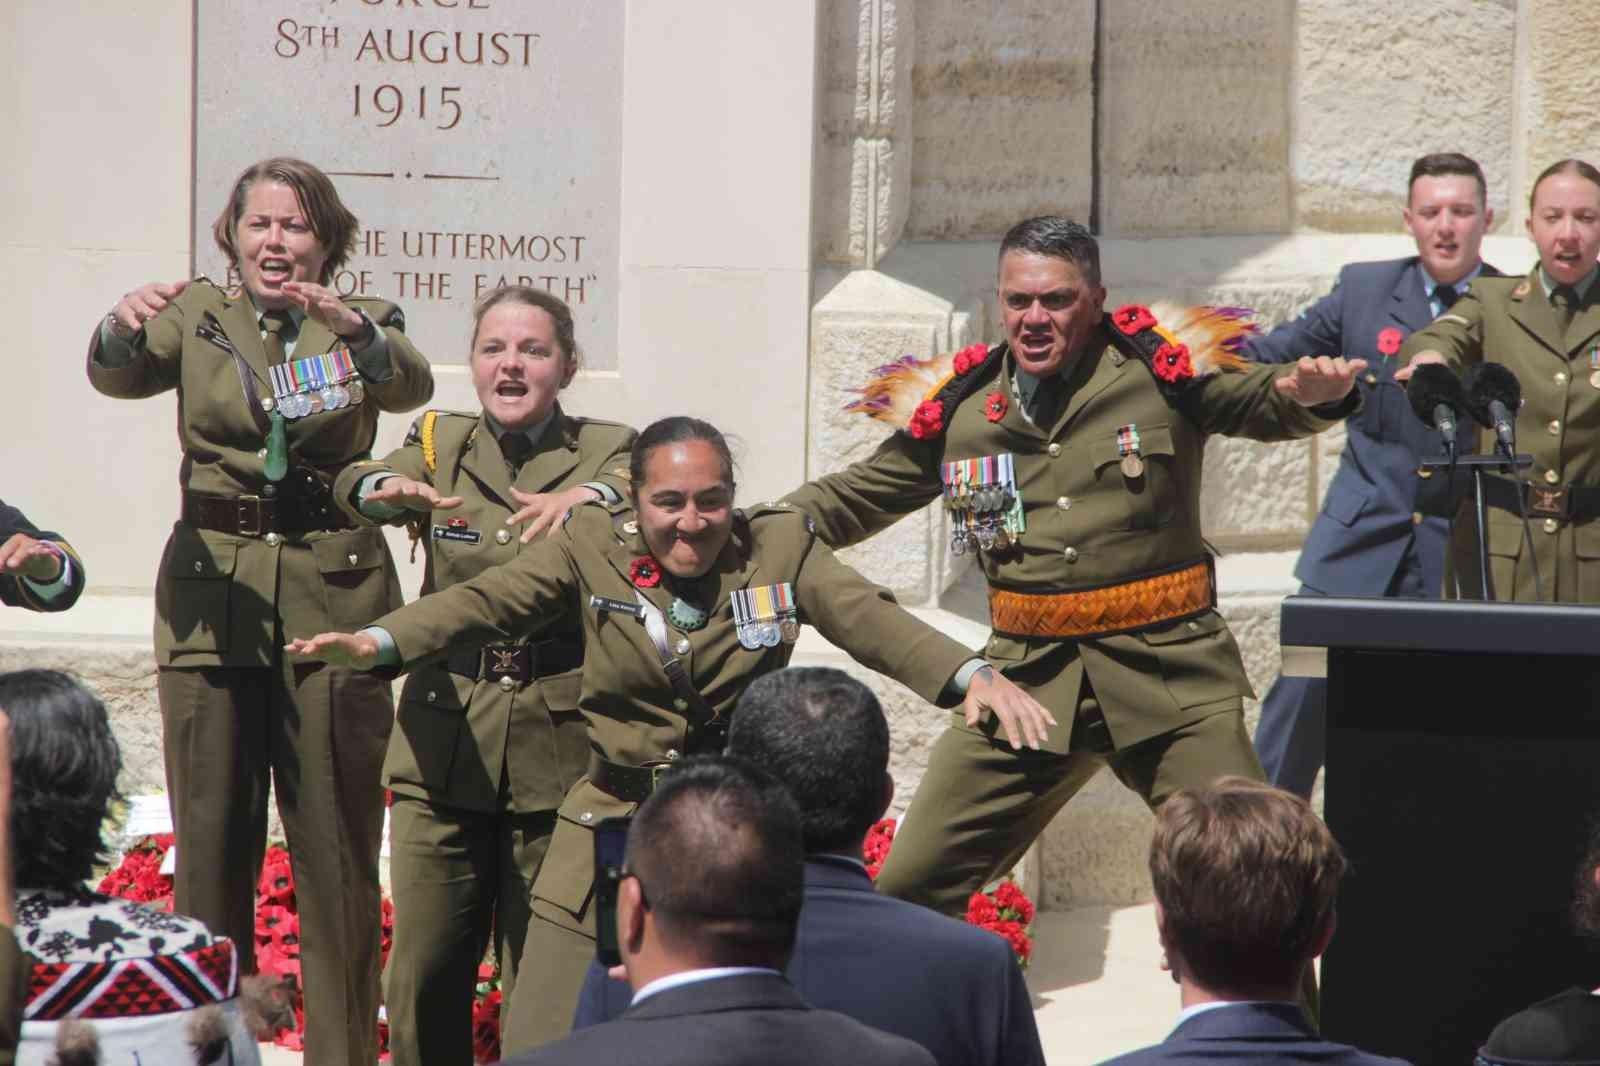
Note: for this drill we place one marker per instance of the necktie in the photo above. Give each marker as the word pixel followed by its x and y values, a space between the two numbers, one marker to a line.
pixel 275 325
pixel 1046 401
pixel 516 447
pixel 1566 299
pixel 1446 295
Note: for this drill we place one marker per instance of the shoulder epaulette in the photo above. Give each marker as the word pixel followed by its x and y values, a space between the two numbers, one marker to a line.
pixel 774 508
pixel 918 396
pixel 1202 340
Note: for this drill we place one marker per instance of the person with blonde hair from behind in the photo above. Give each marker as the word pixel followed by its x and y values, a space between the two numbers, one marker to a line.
pixel 1245 877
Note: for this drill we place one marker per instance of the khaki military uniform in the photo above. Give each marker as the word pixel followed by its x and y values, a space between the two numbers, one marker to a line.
pixel 635 716
pixel 1512 321
pixel 478 764
pixel 232 705
pixel 1163 706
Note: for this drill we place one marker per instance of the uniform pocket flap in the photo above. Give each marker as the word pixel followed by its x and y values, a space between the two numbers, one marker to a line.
pixel 197 559
pixel 566 879
pixel 1344 504
pixel 1586 540
pixel 561 691
pixel 351 551
pixel 1153 440
pixel 1177 632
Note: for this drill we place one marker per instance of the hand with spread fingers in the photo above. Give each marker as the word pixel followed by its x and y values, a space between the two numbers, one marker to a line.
pixel 412 495
pixel 337 649
pixel 545 511
pixel 38 560
pixel 1320 379
pixel 1403 375
pixel 324 305
pixel 1023 718
pixel 136 308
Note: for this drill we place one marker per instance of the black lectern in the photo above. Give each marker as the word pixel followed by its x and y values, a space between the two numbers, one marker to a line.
pixel 1463 772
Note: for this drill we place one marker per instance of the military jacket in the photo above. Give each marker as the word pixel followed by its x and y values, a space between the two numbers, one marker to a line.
pixel 224 599
pixel 1087 524
pixel 1512 321
pixel 455 736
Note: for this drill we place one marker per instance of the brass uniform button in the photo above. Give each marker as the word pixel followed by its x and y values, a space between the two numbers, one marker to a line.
pixel 630 527
pixel 1371 379
pixel 353 557
pixel 267 404
pixel 1193 626
pixel 1554 428
pixel 1551 525
pixel 273 540
pixel 433 697
pixel 1054 450
pixel 1561 377
pixel 682 647
pixel 261 454
pixel 1064 502
pixel 586 817
pixel 1424 472
pixel 680 704
pixel 1070 554
pixel 1551 477
pixel 507 684
pixel 672 754
pixel 269 491
pixel 199 567
pixel 1416 518
pixel 502 536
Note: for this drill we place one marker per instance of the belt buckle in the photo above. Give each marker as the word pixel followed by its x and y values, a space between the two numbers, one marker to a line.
pixel 1548 503
pixel 500 660
pixel 657 772
pixel 247 511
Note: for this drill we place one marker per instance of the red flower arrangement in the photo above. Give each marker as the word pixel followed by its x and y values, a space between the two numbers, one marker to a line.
pixel 927 421
pixel 644 572
pixel 969 357
pixel 1389 340
pixel 994 406
pixel 138 878
pixel 1171 363
pixel 1005 910
pixel 1131 318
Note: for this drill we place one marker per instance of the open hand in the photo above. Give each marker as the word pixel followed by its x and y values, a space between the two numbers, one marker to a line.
pixel 1403 375
pixel 38 560
pixel 1321 379
pixel 323 304
pixel 545 511
pixel 338 649
pixel 413 495
pixel 142 304
pixel 1021 716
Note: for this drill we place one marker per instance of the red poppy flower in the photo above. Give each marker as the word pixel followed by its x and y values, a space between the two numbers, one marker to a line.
pixel 1389 340
pixel 1018 937
pixel 486 1028
pixel 927 421
pixel 644 572
pixel 275 962
pixel 1171 363
pixel 277 882
pixel 981 910
pixel 994 406
pixel 1010 897
pixel 969 357
pixel 875 849
pixel 268 917
pixel 1131 318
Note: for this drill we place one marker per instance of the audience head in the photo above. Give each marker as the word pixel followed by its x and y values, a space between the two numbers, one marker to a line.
pixel 1447 212
pixel 64 764
pixel 714 872
pixel 1245 878
pixel 284 221
pixel 1051 299
pixel 822 735
pixel 524 353
pixel 1564 219
pixel 1586 895
pixel 682 486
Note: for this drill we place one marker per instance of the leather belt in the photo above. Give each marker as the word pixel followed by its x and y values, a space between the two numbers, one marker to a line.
pixel 255 516
pixel 632 784
pixel 1124 607
pixel 521 663
pixel 1569 503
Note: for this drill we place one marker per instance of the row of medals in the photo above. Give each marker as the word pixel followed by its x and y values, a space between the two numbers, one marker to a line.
pixel 768 632
pixel 979 517
pixel 758 624
pixel 315 401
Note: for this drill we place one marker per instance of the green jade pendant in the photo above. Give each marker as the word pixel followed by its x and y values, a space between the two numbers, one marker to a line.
pixel 277 448
pixel 686 616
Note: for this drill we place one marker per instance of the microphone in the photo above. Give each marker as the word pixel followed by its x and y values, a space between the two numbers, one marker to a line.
pixel 1493 396
pixel 1436 395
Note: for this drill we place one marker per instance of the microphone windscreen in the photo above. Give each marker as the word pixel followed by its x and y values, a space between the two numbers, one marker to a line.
pixel 1490 381
pixel 1431 385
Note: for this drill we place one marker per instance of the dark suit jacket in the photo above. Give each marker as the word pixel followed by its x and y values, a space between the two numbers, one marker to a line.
pixel 1356 544
pixel 753 1018
pixel 14 591
pixel 1259 1034
pixel 952 988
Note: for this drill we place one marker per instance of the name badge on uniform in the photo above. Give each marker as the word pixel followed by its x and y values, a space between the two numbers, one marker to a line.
pixel 456 529
pixel 984 505
pixel 765 615
pixel 316 383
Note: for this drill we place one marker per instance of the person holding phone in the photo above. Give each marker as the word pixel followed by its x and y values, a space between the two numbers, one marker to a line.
pixel 684 601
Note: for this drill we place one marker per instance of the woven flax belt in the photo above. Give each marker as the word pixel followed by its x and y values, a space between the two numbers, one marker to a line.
pixel 1168 596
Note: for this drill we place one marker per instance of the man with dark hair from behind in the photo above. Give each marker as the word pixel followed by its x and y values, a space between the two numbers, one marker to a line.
pixel 1245 877
pixel 899 967
pixel 706 914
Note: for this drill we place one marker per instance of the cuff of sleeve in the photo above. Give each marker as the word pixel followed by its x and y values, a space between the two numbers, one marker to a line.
pixel 388 651
pixel 963 679
pixel 47 591
pixel 380 511
pixel 607 493
pixel 114 351
pixel 1335 410
pixel 373 359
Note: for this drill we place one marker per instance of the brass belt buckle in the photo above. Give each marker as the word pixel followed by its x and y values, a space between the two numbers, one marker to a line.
pixel 1547 503
pixel 248 513
pixel 657 772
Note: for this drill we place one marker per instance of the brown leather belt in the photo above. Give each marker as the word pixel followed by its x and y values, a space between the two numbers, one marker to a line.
pixel 1569 503
pixel 255 516
pixel 1167 596
pixel 519 662
pixel 632 784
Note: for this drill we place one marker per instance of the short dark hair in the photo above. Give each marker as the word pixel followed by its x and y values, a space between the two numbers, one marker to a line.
pixel 678 429
pixel 332 223
pixel 1564 166
pixel 1058 237
pixel 64 765
pixel 823 735
pixel 717 851
pixel 548 302
pixel 1448 164
pixel 1246 876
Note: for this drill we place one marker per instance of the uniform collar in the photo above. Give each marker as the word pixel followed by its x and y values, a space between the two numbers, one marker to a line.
pixel 1549 284
pixel 1429 284
pixel 533 432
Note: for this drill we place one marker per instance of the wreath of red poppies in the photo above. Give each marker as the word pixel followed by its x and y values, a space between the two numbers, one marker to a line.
pixel 994 406
pixel 644 572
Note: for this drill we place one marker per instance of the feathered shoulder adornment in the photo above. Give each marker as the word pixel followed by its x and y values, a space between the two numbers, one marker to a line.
pixel 918 396
pixel 1195 342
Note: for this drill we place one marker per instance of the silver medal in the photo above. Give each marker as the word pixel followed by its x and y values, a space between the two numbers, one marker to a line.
pixel 789 629
pixel 770 637
pixel 341 396
pixel 357 392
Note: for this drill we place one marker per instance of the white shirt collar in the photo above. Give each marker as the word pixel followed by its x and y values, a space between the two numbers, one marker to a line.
pixel 694 977
pixel 1217 1004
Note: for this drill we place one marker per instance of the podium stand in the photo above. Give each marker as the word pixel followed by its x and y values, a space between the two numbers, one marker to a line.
pixel 1463 772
